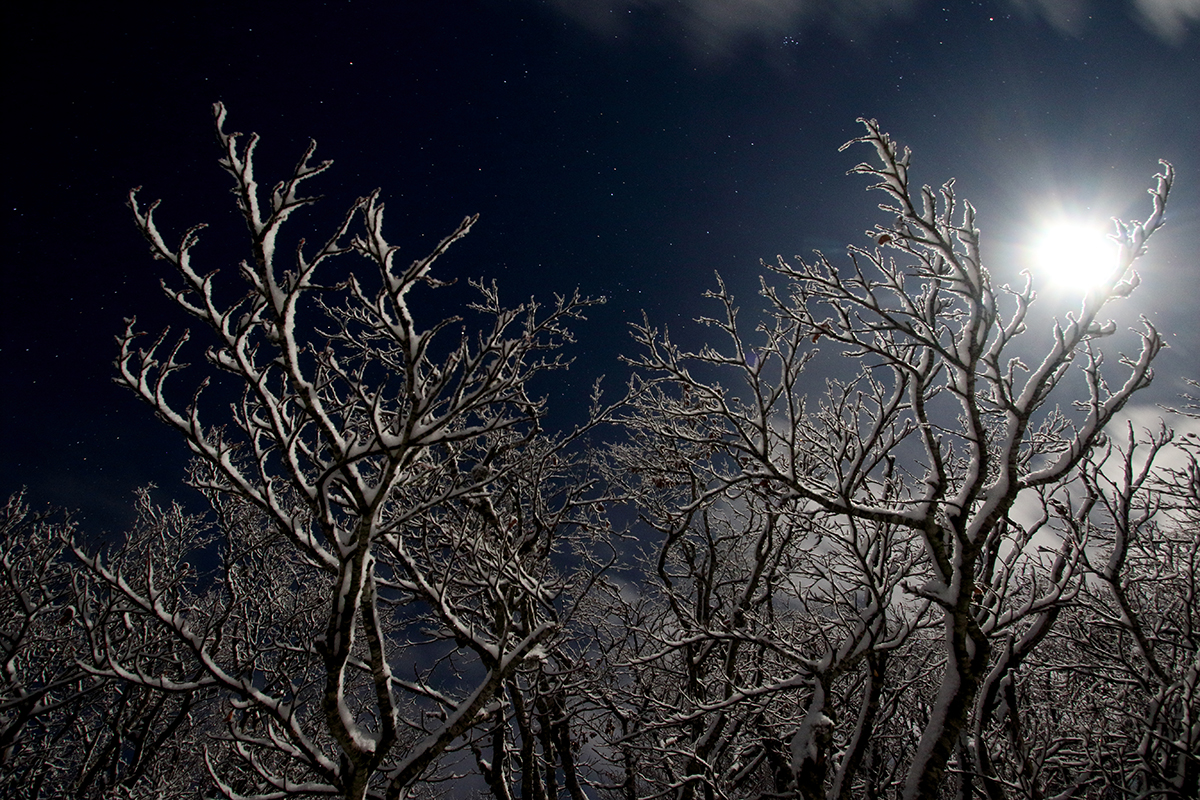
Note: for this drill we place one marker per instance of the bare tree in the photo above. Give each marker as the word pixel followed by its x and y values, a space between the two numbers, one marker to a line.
pixel 1132 643
pixel 807 543
pixel 869 586
pixel 1106 705
pixel 39 678
pixel 394 503
pixel 767 620
pixel 66 727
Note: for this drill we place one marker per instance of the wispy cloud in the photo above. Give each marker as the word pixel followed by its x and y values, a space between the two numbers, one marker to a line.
pixel 1067 16
pixel 1169 18
pixel 711 28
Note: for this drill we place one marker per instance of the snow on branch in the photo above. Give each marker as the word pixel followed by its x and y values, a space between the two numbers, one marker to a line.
pixel 384 461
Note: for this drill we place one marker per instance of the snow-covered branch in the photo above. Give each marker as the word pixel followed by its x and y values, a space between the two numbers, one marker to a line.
pixel 383 458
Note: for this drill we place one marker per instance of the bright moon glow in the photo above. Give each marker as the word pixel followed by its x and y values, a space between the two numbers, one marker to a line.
pixel 1074 254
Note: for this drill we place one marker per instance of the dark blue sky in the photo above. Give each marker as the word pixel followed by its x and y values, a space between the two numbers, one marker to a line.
pixel 630 147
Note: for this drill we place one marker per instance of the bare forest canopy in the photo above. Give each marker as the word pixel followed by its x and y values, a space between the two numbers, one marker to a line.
pixel 954 569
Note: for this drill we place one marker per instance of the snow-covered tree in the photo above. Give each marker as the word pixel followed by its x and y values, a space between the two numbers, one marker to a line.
pixel 1113 702
pixel 68 728
pixel 939 573
pixel 844 585
pixel 391 508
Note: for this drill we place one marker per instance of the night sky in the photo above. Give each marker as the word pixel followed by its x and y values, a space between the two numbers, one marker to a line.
pixel 627 147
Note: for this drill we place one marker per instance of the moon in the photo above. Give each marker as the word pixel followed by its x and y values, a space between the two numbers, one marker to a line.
pixel 1075 254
